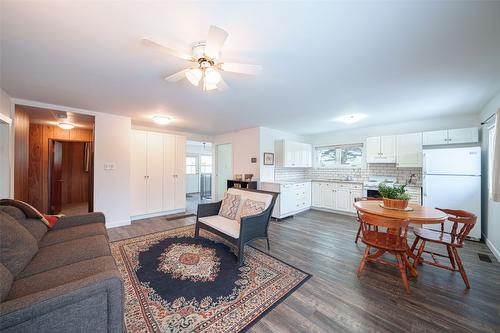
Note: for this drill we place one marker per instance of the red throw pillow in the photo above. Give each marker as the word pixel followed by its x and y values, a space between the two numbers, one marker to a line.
pixel 51 220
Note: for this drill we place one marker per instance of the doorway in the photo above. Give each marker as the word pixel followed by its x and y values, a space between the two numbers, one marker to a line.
pixel 224 154
pixel 198 174
pixel 70 170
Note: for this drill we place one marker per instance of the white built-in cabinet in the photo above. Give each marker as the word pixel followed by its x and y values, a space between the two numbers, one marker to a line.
pixel 381 149
pixel 409 150
pixel 293 198
pixel 335 196
pixel 451 136
pixel 291 154
pixel 157 173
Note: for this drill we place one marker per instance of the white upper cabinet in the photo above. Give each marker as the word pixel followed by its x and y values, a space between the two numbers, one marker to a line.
pixel 409 150
pixel 291 154
pixel 381 149
pixel 451 136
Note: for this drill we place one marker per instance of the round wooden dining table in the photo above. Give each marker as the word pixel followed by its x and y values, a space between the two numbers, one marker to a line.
pixel 418 215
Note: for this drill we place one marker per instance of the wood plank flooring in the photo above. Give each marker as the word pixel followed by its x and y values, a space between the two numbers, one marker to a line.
pixel 335 300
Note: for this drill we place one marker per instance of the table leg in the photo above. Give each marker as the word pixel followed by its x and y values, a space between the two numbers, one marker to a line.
pixel 411 268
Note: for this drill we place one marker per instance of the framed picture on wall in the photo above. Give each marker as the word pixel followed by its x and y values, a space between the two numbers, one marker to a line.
pixel 268 159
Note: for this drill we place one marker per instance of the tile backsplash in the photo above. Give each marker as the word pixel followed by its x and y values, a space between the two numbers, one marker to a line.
pixel 358 174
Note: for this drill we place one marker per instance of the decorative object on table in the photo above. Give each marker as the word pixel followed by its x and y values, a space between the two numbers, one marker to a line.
pixel 176 283
pixel 463 223
pixel 238 176
pixel 248 177
pixel 395 196
pixel 375 237
pixel 268 159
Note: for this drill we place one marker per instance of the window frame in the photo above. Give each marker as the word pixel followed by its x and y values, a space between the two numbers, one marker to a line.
pixel 338 156
pixel 195 165
pixel 211 165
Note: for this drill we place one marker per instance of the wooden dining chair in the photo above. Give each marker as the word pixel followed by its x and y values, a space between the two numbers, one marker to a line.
pixel 393 240
pixel 463 222
pixel 357 219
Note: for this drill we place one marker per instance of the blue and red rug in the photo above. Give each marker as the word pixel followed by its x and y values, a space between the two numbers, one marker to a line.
pixel 176 283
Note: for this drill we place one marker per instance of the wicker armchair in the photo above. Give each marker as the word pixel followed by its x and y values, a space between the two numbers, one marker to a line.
pixel 237 232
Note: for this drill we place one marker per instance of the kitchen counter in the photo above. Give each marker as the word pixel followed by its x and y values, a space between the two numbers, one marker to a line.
pixel 290 181
pixel 338 181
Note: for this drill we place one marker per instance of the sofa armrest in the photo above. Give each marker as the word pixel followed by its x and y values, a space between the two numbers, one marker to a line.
pixel 208 209
pixel 84 305
pixel 74 220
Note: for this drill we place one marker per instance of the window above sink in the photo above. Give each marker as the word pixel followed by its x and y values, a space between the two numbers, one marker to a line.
pixel 339 156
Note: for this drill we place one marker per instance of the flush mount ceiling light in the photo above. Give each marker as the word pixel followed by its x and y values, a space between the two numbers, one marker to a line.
pixel 206 66
pixel 162 120
pixel 350 118
pixel 66 126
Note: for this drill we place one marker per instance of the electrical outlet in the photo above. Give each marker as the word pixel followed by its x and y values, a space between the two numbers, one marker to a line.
pixel 110 166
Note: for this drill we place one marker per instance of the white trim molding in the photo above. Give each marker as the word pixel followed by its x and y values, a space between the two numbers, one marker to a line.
pixel 163 213
pixel 492 248
pixel 115 224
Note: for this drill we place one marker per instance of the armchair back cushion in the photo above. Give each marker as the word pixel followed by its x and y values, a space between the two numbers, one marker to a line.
pixel 6 279
pixel 230 206
pixel 17 245
pixel 36 228
pixel 255 196
pixel 252 207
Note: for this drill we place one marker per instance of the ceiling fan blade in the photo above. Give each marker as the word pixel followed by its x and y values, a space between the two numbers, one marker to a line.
pixel 177 76
pixel 168 50
pixel 241 68
pixel 222 85
pixel 215 41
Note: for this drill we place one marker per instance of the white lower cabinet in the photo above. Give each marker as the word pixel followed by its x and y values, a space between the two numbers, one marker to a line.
pixel 335 196
pixel 157 172
pixel 293 198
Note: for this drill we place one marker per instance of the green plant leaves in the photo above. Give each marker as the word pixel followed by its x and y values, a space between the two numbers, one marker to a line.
pixel 393 192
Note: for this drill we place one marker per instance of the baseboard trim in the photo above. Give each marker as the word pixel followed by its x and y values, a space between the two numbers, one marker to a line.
pixel 166 212
pixel 115 224
pixel 492 248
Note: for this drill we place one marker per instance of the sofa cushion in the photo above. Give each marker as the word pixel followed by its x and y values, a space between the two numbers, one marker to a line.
pixel 256 196
pixel 230 206
pixel 61 275
pixel 222 224
pixel 252 207
pixel 28 210
pixel 66 253
pixel 68 234
pixel 6 279
pixel 17 245
pixel 36 227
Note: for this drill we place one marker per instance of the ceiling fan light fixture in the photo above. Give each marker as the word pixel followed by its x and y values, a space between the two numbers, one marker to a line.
pixel 66 126
pixel 208 86
pixel 212 76
pixel 162 120
pixel 194 76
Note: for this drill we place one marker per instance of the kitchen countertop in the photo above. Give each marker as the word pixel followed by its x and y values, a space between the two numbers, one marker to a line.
pixel 333 180
pixel 338 181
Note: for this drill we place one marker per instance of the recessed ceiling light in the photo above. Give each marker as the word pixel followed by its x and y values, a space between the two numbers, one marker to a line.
pixel 350 118
pixel 66 126
pixel 162 120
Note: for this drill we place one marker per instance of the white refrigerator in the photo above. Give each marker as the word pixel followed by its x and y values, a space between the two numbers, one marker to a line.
pixel 452 179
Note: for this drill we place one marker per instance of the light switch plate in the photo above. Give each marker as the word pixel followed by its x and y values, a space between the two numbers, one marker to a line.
pixel 110 166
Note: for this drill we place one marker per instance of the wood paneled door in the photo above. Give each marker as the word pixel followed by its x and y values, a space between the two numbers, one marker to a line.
pixel 55 176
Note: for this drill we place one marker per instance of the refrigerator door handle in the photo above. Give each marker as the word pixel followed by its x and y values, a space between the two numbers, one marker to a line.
pixel 424 181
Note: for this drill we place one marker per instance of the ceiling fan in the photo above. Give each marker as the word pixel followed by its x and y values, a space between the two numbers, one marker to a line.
pixel 206 65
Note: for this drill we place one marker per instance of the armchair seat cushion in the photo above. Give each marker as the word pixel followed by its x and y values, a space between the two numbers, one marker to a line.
pixel 222 224
pixel 77 232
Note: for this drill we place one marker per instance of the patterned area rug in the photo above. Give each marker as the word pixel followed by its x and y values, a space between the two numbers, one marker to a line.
pixel 176 283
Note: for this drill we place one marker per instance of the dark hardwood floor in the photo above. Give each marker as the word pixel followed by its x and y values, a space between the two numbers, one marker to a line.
pixel 335 300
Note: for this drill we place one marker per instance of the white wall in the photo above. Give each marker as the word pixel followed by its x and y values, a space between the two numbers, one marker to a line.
pixel 112 187
pixel 490 208
pixel 268 136
pixel 5 144
pixel 358 135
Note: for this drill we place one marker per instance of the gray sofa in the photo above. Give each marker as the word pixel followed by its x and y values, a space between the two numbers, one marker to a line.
pixel 58 280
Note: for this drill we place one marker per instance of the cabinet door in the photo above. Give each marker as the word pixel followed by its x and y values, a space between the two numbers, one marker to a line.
pixel 373 150
pixel 353 195
pixel 463 135
pixel 342 197
pixel 138 173
pixel 327 200
pixel 169 172
pixel 435 138
pixel 180 172
pixel 409 150
pixel 307 194
pixel 388 148
pixel 316 194
pixel 155 172
pixel 307 155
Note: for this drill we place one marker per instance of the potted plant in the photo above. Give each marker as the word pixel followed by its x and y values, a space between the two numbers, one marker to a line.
pixel 395 197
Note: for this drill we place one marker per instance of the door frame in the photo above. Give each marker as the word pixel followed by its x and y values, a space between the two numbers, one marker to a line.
pixel 216 168
pixel 90 194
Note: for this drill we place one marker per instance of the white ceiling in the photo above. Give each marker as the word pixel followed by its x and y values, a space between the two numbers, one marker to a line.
pixel 394 61
pixel 54 117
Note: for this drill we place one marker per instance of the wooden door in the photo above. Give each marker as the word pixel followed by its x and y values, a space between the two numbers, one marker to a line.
pixel 138 173
pixel 154 172
pixel 56 180
pixel 180 172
